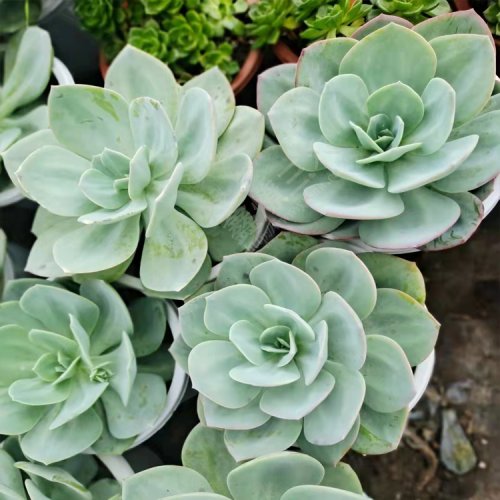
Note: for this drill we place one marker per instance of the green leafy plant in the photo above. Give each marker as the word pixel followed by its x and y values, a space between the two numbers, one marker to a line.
pixel 317 352
pixel 209 472
pixel 16 15
pixel 385 135
pixel 27 66
pixel 119 160
pixel 75 368
pixel 72 479
pixel 415 11
pixel 492 15
pixel 190 36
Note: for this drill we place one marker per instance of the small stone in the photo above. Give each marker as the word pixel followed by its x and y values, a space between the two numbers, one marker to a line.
pixel 482 465
pixel 457 454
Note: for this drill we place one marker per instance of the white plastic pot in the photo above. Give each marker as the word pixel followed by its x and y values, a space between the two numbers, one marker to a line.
pixel 63 76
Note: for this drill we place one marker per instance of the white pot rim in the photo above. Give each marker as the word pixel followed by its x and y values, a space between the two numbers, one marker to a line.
pixel 118 466
pixel 63 76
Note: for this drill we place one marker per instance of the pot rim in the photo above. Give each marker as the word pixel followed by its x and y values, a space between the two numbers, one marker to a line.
pixel 247 71
pixel 63 76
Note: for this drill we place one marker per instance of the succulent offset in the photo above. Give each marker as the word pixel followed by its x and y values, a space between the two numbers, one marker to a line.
pixel 27 65
pixel 414 11
pixel 75 370
pixel 72 479
pixel 492 15
pixel 311 353
pixel 138 156
pixel 385 135
pixel 210 473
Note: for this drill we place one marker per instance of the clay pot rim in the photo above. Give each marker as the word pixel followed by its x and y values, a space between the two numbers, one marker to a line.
pixel 249 69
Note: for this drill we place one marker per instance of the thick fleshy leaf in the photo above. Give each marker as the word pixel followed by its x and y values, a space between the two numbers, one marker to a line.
pixel 134 73
pixel 152 128
pixel 11 481
pixel 334 418
pixel 236 138
pixel 320 62
pixel 380 432
pixel 330 455
pixel 169 480
pixel 427 215
pixel 235 269
pixel 271 85
pixel 348 200
pixel 114 164
pixel 245 336
pixel 413 171
pixel 346 337
pixel 274 436
pixel 51 176
pixel 318 227
pixel 397 99
pixel 389 379
pixel 312 355
pixel 149 325
pixel 114 316
pixel 287 287
pixel 271 477
pixel 247 417
pixel 320 493
pixel 342 477
pixel 146 402
pixel 17 418
pixel 285 317
pixel 471 215
pixel 209 366
pixel 36 392
pixel 379 22
pixel 17 355
pixel 229 305
pixel 390 155
pixel 378 67
pixel 467 63
pixel 53 306
pixel 268 374
pixel 343 100
pixel 104 216
pixel 205 452
pixel 218 87
pixel 88 119
pixel 97 247
pixel 342 272
pixel 29 72
pixel 211 201
pixel 294 118
pixel 296 400
pixel 278 186
pixel 140 173
pixel 482 165
pixel 401 318
pixel 286 246
pixel 99 188
pixel 105 489
pixel 390 271
pixel 343 162
pixel 49 446
pixel 439 112
pixel 180 352
pixel 196 135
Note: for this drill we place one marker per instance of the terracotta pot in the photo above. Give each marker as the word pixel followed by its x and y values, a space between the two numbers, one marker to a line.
pixel 465 5
pixel 247 72
pixel 284 53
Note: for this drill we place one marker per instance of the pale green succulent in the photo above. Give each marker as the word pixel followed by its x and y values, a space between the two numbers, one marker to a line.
pixel 210 473
pixel 141 155
pixel 389 130
pixel 27 64
pixel 75 369
pixel 311 353
pixel 72 479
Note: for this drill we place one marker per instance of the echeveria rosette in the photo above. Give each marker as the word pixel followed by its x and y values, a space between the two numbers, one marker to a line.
pixel 70 368
pixel 392 128
pixel 209 472
pixel 26 74
pixel 310 352
pixel 138 156
pixel 73 479
pixel 414 11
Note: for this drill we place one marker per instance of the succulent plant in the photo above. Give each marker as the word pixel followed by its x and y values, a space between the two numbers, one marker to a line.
pixel 97 16
pixel 72 479
pixel 223 14
pixel 492 15
pixel 415 11
pixel 71 368
pixel 151 39
pixel 384 134
pixel 153 7
pixel 119 159
pixel 210 473
pixel 27 67
pixel 344 17
pixel 311 352
pixel 269 17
